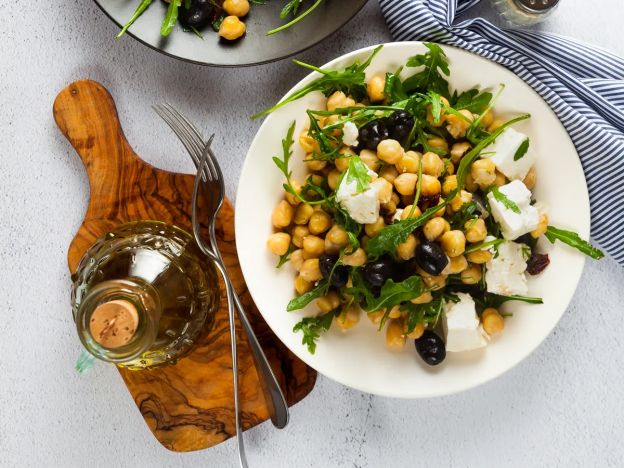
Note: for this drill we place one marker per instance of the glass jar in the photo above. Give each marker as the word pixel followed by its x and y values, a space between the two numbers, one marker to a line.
pixel 525 12
pixel 143 294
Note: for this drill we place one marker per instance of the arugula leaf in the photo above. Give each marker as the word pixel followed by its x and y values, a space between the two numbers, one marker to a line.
pixel 138 12
pixel 573 240
pixel 359 290
pixel 436 107
pixel 216 24
pixel 286 257
pixel 303 300
pixel 483 245
pixel 465 213
pixel 504 200
pixel 312 328
pixel 291 7
pixel 473 154
pixel 395 293
pixel 358 172
pixel 471 100
pixel 496 300
pixel 171 18
pixel 428 313
pixel 351 81
pixel 431 77
pixel 296 20
pixel 522 149
pixel 393 87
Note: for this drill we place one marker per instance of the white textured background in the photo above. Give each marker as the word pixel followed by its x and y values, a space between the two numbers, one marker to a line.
pixel 561 407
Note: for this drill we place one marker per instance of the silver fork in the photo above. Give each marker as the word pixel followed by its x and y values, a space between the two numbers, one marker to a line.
pixel 211 173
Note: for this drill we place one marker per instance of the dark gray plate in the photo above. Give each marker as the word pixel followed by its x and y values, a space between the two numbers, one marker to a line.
pixel 255 48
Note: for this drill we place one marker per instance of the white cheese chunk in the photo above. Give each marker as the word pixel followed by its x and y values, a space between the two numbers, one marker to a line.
pixel 397 215
pixel 513 224
pixel 350 134
pixel 461 325
pixel 503 151
pixel 505 273
pixel 363 207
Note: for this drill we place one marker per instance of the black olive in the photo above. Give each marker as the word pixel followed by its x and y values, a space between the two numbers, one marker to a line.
pixel 527 239
pixel 372 134
pixel 376 273
pixel 400 124
pixel 430 348
pixel 404 270
pixel 340 276
pixel 198 16
pixel 431 258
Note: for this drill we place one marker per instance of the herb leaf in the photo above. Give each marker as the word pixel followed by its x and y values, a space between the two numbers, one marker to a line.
pixel 297 18
pixel 303 300
pixel 284 258
pixel 395 293
pixel 423 313
pixel 312 328
pixel 471 100
pixel 138 12
pixel 171 18
pixel 573 240
pixel 522 149
pixel 504 200
pixel 431 78
pixel 496 300
pixel 393 87
pixel 358 172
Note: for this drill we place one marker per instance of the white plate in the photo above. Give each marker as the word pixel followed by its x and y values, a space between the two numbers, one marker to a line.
pixel 359 358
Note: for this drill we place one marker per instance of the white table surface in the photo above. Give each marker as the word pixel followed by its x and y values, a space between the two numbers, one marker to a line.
pixel 561 407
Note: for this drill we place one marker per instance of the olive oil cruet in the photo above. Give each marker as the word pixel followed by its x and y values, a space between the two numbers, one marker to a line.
pixel 143 294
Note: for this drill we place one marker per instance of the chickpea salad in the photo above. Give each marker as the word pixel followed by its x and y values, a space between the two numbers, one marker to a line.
pixel 223 16
pixel 417 210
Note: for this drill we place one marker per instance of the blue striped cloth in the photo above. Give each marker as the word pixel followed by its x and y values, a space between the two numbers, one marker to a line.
pixel 584 85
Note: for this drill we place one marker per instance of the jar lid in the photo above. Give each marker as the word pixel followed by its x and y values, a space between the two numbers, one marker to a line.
pixel 537 6
pixel 113 324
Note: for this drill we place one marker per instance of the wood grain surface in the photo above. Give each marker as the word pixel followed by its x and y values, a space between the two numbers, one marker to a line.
pixel 189 405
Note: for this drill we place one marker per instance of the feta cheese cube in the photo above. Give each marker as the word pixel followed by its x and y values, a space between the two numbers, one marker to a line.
pixel 504 150
pixel 513 224
pixel 363 207
pixel 505 273
pixel 461 325
pixel 350 134
pixel 397 215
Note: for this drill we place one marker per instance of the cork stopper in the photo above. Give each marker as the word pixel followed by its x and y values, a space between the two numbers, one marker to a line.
pixel 114 323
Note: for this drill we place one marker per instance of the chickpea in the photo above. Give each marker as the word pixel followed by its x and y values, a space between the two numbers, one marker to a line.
pixel 530 180
pixel 310 270
pixel 456 265
pixel 470 184
pixel 369 158
pixel 453 243
pixel 441 211
pixel 296 259
pixel 430 185
pixel 342 164
pixel 389 173
pixel 290 198
pixel 301 285
pixel 313 246
pixel 405 183
pixel 495 125
pixel 319 222
pixel 424 298
pixel 308 144
pixel 298 233
pixel 435 227
pixel 460 199
pixel 231 28
pixel 316 179
pixel 331 248
pixel 339 100
pixel 303 213
pixel 432 164
pixel 483 172
pixel 416 333
pixel 315 164
pixel 390 151
pixel 395 339
pixel 407 199
pixel 472 274
pixel 458 125
pixel 500 179
pixel 329 302
pixel 395 312
pixel 492 321
pixel 385 188
pixel 278 243
pixel 409 162
pixel 390 207
pixel 459 150
pixel 475 230
pixel 487 119
pixel 438 143
pixel 282 215
pixel 479 256
pixel 332 179
pixel 430 119
pixel 434 282
pixel 375 317
pixel 337 235
pixel 236 7
pixel 407 249
pixel 373 229
pixel 348 318
pixel 449 167
pixel 356 259
pixel 449 184
pixel 541 227
pixel 375 88
pixel 406 212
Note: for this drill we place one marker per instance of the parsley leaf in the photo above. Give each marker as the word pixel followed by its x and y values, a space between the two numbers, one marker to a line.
pixel 573 240
pixel 303 300
pixel 431 78
pixel 358 172
pixel 351 81
pixel 311 327
pixel 522 149
pixel 504 200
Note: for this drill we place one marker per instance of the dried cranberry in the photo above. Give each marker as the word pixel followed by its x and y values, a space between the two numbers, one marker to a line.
pixel 537 263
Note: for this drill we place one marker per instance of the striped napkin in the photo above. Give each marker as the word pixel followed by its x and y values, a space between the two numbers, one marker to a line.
pixel 584 85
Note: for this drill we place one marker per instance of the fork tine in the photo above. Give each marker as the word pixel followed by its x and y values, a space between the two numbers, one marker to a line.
pixel 192 128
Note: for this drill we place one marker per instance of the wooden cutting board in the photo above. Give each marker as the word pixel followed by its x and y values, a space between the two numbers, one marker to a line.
pixel 187 406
